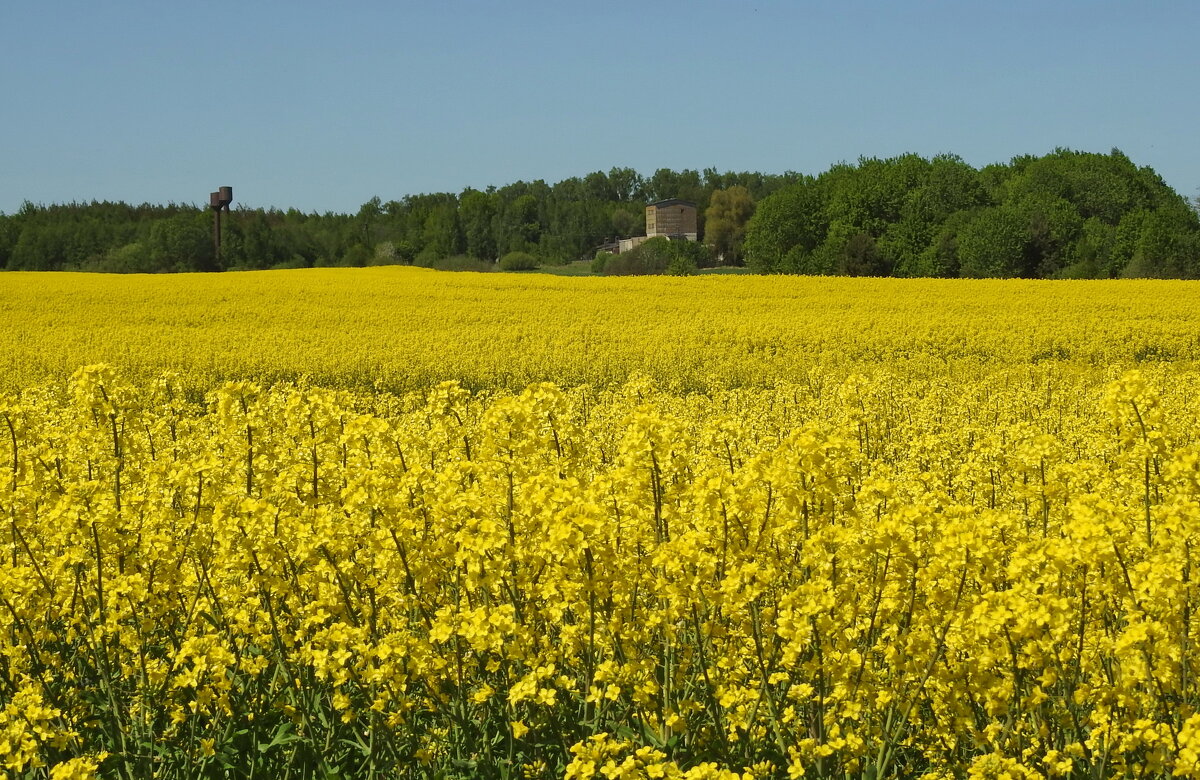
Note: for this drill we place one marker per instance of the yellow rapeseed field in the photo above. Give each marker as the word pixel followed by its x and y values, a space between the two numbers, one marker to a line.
pixel 387 522
pixel 402 329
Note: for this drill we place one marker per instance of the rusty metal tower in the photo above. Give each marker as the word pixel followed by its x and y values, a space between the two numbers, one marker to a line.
pixel 219 201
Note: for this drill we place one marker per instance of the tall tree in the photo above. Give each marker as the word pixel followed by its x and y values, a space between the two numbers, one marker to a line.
pixel 725 220
pixel 443 234
pixel 627 184
pixel 520 226
pixel 184 243
pixel 993 243
pixel 477 213
pixel 790 222
pixel 368 216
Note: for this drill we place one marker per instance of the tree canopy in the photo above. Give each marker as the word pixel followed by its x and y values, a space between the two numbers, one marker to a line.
pixel 1067 214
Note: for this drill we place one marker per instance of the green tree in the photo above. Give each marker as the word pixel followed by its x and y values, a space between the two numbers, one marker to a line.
pixel 368 217
pixel 477 213
pixel 132 258
pixel 518 261
pixel 9 233
pixel 686 184
pixel 802 260
pixel 1168 245
pixel 652 256
pixel 443 234
pixel 940 258
pixel 1066 213
pixel 946 186
pixel 1096 185
pixel 252 241
pixel 792 217
pixel 860 256
pixel 992 243
pixel 725 220
pixel 1052 226
pixel 1092 251
pixel 658 255
pixel 520 226
pixel 627 184
pixel 597 186
pixel 40 247
pixel 184 243
pixel 628 221
pixel 689 256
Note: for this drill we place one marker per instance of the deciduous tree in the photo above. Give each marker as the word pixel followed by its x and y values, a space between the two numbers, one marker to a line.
pixel 725 221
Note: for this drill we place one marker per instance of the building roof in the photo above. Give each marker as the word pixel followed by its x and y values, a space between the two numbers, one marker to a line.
pixel 673 202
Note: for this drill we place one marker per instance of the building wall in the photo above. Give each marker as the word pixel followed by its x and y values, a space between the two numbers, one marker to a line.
pixel 671 220
pixel 627 244
pixel 674 219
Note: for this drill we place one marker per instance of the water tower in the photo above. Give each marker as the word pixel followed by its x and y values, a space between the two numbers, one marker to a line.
pixel 219 201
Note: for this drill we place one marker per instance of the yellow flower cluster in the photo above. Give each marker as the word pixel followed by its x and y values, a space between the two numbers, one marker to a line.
pixel 402 329
pixel 887 574
pixel 384 521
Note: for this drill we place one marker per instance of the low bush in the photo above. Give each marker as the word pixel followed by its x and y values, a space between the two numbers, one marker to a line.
pixel 519 261
pixel 428 259
pixel 658 255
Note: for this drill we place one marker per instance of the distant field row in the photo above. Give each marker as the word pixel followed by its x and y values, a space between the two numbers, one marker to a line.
pixel 404 328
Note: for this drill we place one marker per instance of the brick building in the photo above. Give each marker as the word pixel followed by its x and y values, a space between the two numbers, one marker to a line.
pixel 673 218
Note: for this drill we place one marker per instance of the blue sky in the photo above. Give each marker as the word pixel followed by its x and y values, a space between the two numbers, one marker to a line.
pixel 321 106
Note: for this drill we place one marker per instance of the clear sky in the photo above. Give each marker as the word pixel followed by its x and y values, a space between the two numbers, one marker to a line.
pixel 322 105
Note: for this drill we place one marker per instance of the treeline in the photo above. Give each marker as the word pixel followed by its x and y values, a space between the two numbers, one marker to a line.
pixel 1067 214
pixel 118 237
pixel 555 223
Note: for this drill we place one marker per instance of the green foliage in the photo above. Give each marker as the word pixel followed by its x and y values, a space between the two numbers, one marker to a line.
pixel 386 254
pixel 183 243
pixel 1066 214
pixel 357 256
pixel 860 256
pixel 992 244
pixel 658 255
pixel 627 221
pixel 691 255
pixel 940 258
pixel 368 216
pixel 793 217
pixel 443 233
pixel 518 261
pixel 557 223
pixel 477 212
pixel 1093 250
pixel 555 250
pixel 521 227
pixel 725 222
pixel 1168 245
pixel 652 256
pixel 455 263
pixel 132 258
pixel 294 262
pixel 801 260
pixel 681 265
